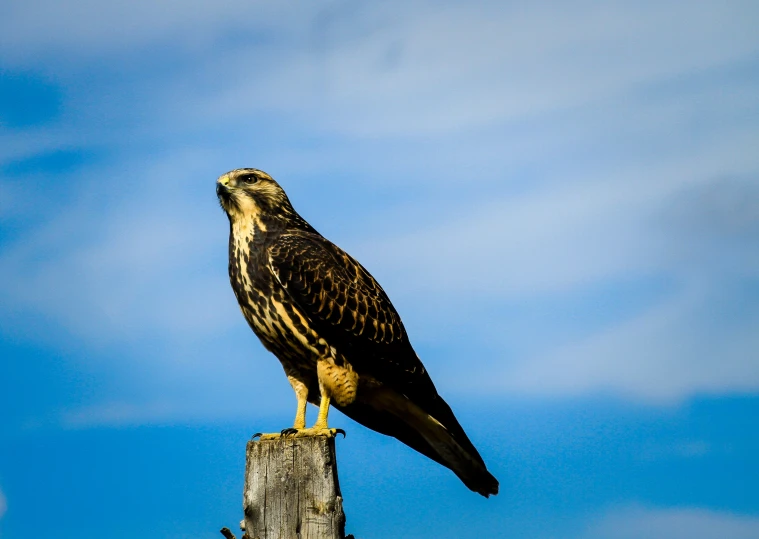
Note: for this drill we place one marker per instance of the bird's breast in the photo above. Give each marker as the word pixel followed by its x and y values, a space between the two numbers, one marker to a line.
pixel 268 309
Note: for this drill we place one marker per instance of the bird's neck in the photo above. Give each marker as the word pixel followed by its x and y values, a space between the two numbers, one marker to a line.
pixel 254 230
pixel 247 247
pixel 248 236
pixel 248 228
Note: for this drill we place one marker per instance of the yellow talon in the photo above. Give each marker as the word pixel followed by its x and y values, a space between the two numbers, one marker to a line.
pixel 301 433
pixel 320 428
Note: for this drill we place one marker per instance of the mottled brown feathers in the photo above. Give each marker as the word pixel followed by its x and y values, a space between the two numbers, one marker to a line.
pixel 333 327
pixel 349 308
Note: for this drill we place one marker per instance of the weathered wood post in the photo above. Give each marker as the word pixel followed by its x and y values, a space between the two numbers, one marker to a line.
pixel 292 491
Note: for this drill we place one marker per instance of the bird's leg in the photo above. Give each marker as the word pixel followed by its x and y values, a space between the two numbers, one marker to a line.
pixel 298 429
pixel 321 419
pixel 301 393
pixel 300 415
pixel 320 428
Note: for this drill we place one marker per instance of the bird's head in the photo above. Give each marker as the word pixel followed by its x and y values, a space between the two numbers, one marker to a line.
pixel 251 193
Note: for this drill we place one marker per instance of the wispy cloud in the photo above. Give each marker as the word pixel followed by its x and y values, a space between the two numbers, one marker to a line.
pixel 123 261
pixel 45 28
pixel 6 201
pixel 699 339
pixel 669 353
pixel 682 450
pixel 422 69
pixel 639 523
pixel 3 504
pixel 122 414
pixel 494 156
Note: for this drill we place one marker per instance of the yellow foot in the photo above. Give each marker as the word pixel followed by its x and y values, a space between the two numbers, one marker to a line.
pixel 313 431
pixel 300 433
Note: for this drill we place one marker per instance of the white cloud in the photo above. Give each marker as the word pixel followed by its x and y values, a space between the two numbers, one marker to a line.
pixel 579 231
pixel 88 28
pixel 392 68
pixel 546 150
pixel 127 259
pixel 702 338
pixel 425 70
pixel 128 263
pixel 6 201
pixel 686 523
pixel 656 451
pixel 194 405
pixel 676 349
pixel 122 413
pixel 701 235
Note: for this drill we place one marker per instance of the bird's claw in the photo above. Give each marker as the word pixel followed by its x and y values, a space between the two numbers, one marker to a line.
pixel 292 432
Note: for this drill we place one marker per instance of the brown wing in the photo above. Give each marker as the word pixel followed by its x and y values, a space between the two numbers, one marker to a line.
pixel 350 310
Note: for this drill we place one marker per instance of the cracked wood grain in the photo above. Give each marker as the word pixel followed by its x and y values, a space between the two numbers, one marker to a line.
pixel 292 491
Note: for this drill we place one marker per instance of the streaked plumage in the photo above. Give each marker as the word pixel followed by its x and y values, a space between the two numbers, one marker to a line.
pixel 333 328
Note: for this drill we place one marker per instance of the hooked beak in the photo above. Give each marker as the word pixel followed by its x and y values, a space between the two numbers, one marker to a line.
pixel 223 191
pixel 223 180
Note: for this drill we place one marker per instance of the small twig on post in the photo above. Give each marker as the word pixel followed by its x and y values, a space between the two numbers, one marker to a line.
pixel 226 532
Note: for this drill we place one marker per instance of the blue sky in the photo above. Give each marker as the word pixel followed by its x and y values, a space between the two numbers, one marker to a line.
pixel 561 199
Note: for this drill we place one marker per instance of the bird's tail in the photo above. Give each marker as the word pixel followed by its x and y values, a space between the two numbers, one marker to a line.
pixel 437 434
pixel 447 439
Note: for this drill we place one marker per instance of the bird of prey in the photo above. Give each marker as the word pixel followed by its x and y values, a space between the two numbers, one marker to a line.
pixel 331 325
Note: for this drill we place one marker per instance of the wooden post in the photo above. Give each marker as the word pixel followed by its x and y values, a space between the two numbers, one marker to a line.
pixel 291 490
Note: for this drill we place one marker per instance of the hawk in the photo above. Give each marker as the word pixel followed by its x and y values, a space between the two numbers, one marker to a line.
pixel 331 325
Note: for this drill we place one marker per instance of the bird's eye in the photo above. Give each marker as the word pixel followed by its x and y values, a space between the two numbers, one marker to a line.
pixel 249 179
